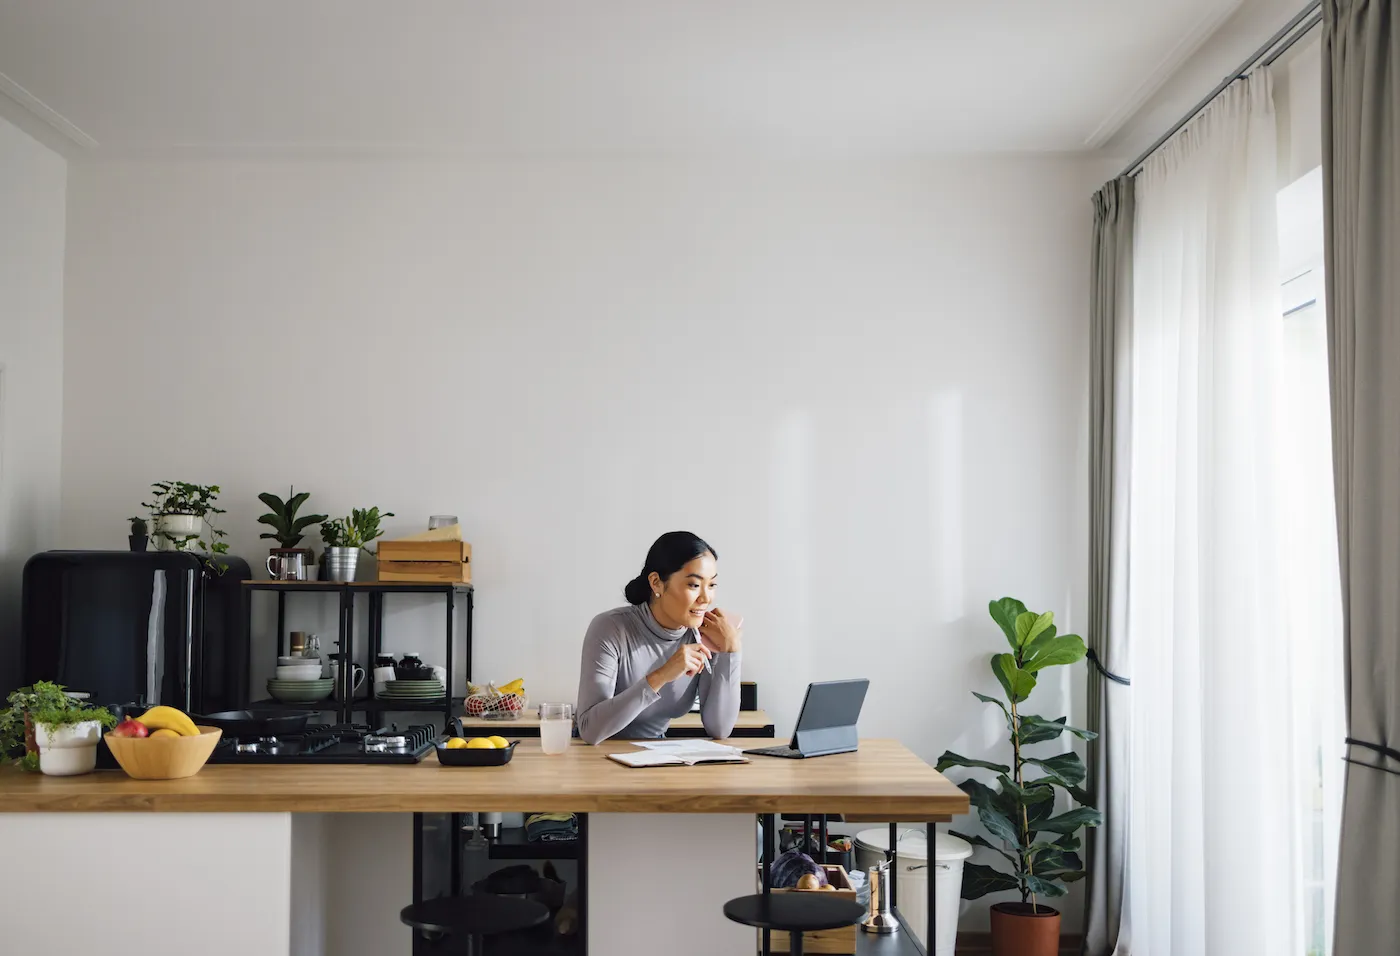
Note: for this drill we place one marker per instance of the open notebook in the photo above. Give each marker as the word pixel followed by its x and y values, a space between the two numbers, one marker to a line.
pixel 679 753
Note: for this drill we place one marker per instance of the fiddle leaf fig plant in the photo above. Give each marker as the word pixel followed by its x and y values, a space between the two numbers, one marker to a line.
pixel 287 528
pixel 1040 846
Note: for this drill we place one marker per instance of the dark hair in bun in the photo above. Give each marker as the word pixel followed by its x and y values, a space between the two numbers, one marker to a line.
pixel 671 552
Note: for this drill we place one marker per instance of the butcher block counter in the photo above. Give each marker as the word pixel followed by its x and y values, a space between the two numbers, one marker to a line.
pixel 317 860
pixel 882 778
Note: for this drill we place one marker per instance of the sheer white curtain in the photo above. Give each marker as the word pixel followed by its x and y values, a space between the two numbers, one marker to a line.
pixel 1213 841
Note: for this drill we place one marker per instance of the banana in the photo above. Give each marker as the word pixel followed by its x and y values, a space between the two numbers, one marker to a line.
pixel 168 718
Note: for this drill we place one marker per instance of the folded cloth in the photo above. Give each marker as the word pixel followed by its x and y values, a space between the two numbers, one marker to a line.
pixel 551 827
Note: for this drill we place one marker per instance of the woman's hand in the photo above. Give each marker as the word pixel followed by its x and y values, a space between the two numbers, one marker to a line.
pixel 720 632
pixel 687 661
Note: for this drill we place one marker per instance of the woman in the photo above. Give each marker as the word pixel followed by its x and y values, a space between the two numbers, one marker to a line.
pixel 644 664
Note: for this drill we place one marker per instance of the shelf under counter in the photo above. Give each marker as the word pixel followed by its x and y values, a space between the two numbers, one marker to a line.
pixel 512 845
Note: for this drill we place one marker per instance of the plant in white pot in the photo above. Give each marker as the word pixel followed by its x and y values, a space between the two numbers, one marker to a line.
pixel 59 733
pixel 180 513
pixel 346 537
pixel 1040 845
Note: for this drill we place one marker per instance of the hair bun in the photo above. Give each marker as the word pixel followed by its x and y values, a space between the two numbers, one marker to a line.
pixel 638 589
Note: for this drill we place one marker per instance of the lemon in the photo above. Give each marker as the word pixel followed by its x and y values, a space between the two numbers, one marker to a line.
pixel 480 743
pixel 500 743
pixel 456 743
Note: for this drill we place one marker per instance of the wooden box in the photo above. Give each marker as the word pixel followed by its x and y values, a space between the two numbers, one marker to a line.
pixel 825 941
pixel 425 562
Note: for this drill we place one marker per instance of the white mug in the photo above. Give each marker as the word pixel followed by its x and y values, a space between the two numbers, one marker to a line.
pixel 383 675
pixel 357 677
pixel 441 674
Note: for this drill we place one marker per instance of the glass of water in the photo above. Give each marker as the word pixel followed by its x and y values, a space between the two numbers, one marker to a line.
pixel 441 521
pixel 556 727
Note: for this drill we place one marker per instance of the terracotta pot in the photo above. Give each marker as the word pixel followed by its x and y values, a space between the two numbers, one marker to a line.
pixel 1019 931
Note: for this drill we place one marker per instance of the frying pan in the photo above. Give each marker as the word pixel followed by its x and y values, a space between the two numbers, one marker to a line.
pixel 257 723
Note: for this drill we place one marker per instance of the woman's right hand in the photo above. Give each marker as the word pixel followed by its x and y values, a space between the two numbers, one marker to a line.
pixel 687 661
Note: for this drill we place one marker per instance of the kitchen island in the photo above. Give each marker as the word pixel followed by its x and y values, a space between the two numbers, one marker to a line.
pixel 260 859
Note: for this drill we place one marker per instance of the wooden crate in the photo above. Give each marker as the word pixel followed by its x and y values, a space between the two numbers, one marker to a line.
pixel 426 572
pixel 454 551
pixel 840 941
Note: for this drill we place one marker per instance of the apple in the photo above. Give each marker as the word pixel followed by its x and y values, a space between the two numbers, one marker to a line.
pixel 130 728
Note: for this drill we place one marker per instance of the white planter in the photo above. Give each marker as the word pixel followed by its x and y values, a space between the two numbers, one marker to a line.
pixel 183 529
pixel 68 750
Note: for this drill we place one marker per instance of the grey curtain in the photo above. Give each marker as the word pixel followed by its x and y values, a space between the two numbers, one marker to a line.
pixel 1361 177
pixel 1110 310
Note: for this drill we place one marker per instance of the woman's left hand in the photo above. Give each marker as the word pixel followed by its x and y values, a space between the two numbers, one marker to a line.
pixel 721 632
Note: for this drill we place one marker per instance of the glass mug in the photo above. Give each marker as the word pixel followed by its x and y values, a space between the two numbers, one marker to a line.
pixel 556 727
pixel 287 565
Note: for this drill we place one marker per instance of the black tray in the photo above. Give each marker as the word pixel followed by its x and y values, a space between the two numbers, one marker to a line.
pixel 466 757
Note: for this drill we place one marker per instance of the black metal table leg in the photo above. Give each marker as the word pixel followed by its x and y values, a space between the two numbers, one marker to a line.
pixel 794 947
pixel 931 934
pixel 282 623
pixel 447 713
pixel 893 857
pixel 770 852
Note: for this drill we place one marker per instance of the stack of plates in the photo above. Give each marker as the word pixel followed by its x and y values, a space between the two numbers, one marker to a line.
pixel 412 690
pixel 300 691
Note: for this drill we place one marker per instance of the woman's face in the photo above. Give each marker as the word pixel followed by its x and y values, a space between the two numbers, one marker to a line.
pixel 685 595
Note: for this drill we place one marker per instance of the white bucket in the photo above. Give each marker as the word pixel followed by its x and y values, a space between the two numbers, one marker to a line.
pixel 912 859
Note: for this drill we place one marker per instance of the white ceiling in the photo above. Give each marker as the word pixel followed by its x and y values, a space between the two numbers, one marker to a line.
pixel 596 77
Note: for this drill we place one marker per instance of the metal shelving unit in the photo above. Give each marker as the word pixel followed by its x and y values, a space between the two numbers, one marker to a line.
pixel 346 708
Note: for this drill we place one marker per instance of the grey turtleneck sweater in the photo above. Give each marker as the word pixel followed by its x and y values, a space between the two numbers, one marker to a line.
pixel 621 648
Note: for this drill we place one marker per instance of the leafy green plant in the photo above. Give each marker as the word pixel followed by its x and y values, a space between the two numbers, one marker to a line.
pixel 183 498
pixel 355 531
pixel 139 527
pixel 44 703
pixel 1041 846
pixel 286 527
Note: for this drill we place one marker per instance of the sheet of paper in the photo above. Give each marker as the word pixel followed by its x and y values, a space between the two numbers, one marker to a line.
pixel 685 745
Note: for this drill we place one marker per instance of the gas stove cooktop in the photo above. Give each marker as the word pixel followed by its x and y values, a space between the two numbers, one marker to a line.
pixel 332 743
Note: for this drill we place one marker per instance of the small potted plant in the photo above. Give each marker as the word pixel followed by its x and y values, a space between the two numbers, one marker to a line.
pixel 63 731
pixel 181 512
pixel 287 528
pixel 139 537
pixel 1040 845
pixel 346 537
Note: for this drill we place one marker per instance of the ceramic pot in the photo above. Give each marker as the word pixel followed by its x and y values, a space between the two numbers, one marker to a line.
pixel 1017 930
pixel 179 532
pixel 68 750
pixel 137 542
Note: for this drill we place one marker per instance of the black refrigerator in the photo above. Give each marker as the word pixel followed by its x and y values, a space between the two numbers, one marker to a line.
pixel 137 627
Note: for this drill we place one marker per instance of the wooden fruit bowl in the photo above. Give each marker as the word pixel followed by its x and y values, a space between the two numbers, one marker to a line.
pixel 163 758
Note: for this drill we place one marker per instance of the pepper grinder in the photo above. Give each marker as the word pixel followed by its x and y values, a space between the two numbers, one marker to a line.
pixel 881 920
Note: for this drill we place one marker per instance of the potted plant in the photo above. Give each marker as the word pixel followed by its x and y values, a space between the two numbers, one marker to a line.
pixel 346 537
pixel 181 511
pixel 59 733
pixel 286 527
pixel 138 537
pixel 1040 845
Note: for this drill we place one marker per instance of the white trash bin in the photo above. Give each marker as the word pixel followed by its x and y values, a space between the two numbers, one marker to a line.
pixel 912 859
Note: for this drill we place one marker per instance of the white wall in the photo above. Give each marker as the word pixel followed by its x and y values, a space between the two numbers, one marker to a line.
pixel 864 383
pixel 32 186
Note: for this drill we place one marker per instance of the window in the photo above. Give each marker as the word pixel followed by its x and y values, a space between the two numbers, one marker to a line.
pixel 1312 623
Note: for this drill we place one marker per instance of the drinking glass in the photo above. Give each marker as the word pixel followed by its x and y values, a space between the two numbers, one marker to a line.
pixel 556 727
pixel 441 521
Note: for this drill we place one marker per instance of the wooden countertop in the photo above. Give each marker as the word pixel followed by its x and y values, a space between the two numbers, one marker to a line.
pixel 882 778
pixel 748 720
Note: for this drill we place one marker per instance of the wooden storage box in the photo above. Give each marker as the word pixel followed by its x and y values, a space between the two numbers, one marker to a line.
pixel 842 940
pixel 425 562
